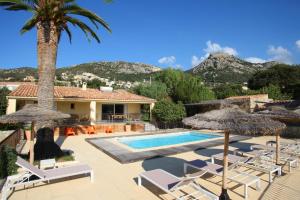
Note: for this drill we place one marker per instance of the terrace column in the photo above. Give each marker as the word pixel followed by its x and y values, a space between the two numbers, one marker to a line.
pixel 93 112
pixel 11 106
pixel 150 110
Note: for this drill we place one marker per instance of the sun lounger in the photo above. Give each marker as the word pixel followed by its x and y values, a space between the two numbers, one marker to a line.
pixel 172 184
pixel 233 175
pixel 286 157
pixel 260 163
pixel 32 175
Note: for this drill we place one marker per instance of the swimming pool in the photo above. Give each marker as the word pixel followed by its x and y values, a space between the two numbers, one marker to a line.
pixel 160 140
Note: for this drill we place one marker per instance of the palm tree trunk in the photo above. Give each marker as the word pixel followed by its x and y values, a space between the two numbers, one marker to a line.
pixel 47 34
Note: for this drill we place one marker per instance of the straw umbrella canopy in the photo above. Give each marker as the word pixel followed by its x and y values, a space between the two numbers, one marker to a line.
pixel 283 115
pixel 234 120
pixel 32 113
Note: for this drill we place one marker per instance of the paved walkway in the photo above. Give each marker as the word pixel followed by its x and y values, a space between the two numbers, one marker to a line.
pixel 118 181
pixel 284 187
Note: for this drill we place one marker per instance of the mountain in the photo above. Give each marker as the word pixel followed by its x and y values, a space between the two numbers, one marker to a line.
pixel 222 68
pixel 126 71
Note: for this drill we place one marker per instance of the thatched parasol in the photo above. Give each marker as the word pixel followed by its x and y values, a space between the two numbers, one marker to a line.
pixel 283 115
pixel 234 120
pixel 32 113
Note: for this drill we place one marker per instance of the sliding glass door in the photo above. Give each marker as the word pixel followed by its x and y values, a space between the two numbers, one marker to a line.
pixel 110 110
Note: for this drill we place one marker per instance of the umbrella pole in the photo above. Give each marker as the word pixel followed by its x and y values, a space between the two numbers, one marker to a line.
pixel 277 147
pixel 224 195
pixel 31 150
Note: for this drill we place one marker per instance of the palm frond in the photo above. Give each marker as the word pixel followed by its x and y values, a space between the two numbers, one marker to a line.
pixel 66 28
pixel 76 10
pixel 29 24
pixel 15 5
pixel 85 28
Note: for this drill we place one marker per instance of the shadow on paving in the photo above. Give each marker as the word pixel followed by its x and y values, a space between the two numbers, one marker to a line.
pixel 242 145
pixel 169 164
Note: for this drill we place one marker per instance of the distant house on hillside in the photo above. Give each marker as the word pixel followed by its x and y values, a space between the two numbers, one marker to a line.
pixel 85 104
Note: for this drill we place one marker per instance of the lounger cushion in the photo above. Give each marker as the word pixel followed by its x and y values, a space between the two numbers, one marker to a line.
pixel 161 178
pixel 207 166
pixel 66 171
pixel 24 164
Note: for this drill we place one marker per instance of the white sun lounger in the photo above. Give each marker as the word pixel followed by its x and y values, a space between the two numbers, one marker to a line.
pixel 285 156
pixel 233 175
pixel 172 184
pixel 32 175
pixel 259 163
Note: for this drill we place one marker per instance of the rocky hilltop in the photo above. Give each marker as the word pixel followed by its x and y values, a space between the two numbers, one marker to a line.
pixel 126 71
pixel 222 68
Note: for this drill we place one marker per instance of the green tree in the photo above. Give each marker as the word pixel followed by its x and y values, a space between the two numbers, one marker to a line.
pixel 3 101
pixel 184 87
pixel 287 77
pixel 274 92
pixel 167 111
pixel 227 90
pixel 156 90
pixel 51 18
pixel 95 83
pixel 191 89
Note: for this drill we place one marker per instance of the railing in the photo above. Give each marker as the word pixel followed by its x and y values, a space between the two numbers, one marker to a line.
pixel 84 119
pixel 169 125
pixel 120 117
pixel 13 140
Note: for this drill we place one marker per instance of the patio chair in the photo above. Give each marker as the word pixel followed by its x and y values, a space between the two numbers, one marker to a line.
pixel 233 174
pixel 260 162
pixel 32 175
pixel 70 131
pixel 90 130
pixel 172 184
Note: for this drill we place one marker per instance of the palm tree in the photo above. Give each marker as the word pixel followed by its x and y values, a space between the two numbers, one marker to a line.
pixel 51 18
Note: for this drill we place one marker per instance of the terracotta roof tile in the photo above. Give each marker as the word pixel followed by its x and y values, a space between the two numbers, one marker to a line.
pixel 79 93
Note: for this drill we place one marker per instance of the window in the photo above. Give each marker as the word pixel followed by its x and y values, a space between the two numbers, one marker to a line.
pixel 72 106
pixel 119 109
pixel 111 109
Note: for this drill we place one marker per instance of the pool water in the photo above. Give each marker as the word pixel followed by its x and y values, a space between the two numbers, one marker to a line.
pixel 150 141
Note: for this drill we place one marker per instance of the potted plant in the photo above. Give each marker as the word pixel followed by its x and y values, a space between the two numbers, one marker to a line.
pixel 127 127
pixel 27 130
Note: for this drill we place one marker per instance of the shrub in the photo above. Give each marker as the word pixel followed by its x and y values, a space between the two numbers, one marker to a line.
pixel 8 158
pixel 167 111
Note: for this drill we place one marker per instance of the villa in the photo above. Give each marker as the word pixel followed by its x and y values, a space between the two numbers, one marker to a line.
pixel 85 104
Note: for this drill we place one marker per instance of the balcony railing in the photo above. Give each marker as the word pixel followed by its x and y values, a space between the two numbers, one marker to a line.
pixel 84 119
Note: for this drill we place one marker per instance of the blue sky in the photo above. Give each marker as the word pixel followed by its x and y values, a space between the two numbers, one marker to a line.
pixel 178 33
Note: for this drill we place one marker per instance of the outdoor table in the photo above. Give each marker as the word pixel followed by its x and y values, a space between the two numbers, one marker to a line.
pixel 47 163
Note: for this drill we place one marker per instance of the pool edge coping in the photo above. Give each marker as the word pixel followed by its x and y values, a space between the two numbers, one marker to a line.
pixel 124 156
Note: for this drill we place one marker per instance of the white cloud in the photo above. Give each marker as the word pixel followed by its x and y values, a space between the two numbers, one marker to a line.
pixel 168 60
pixel 196 61
pixel 298 44
pixel 280 54
pixel 210 49
pixel 255 60
pixel 217 48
